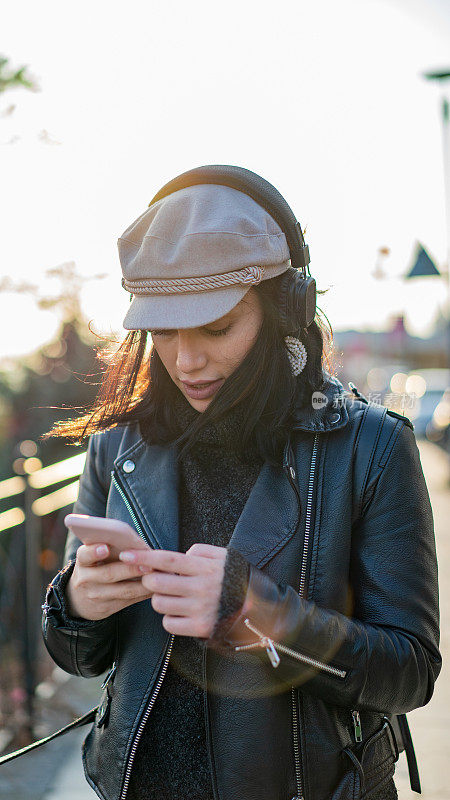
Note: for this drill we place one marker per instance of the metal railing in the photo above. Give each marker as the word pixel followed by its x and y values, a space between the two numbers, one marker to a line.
pixel 31 503
pixel 41 478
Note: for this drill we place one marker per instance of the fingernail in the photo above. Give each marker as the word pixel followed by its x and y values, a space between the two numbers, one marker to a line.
pixel 125 556
pixel 101 550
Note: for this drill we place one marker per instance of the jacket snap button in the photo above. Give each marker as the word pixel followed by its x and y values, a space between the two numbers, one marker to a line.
pixel 335 418
pixel 128 466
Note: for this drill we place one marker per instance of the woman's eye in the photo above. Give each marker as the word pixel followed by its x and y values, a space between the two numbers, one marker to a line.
pixel 219 332
pixel 210 331
pixel 165 332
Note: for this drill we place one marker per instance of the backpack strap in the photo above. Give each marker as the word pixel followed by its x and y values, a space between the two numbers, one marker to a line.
pixel 370 436
pixel 374 443
pixel 406 737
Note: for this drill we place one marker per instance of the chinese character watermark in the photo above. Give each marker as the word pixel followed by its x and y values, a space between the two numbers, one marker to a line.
pixel 396 401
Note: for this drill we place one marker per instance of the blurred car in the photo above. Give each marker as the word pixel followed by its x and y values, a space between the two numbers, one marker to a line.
pixel 428 389
pixel 438 428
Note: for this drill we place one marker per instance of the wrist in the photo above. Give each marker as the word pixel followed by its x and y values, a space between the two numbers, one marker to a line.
pixel 58 607
pixel 234 589
pixel 69 598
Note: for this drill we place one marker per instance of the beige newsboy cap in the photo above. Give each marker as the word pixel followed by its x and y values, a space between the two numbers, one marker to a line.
pixel 193 255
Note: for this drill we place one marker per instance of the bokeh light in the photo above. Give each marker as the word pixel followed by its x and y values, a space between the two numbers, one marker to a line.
pixel 398 382
pixel 416 384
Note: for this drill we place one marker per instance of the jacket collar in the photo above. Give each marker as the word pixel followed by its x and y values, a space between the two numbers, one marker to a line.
pixel 327 410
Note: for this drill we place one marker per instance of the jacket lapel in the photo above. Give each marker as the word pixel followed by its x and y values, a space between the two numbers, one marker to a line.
pixel 269 518
pixel 152 489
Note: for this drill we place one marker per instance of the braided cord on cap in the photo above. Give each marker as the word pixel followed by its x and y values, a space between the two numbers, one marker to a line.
pixel 248 276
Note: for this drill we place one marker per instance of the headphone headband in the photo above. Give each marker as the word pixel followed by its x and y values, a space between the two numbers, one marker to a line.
pixel 256 187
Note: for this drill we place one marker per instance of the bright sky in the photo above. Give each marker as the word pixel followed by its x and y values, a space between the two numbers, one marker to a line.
pixel 325 99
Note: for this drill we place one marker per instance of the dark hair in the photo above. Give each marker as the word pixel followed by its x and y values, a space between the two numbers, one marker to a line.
pixel 139 390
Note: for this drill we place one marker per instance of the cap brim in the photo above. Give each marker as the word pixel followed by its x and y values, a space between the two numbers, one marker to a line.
pixel 190 310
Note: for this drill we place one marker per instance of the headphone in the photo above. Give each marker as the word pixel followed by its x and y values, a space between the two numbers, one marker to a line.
pixel 297 287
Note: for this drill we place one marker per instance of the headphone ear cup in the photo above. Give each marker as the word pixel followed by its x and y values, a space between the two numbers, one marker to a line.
pixel 297 302
pixel 306 301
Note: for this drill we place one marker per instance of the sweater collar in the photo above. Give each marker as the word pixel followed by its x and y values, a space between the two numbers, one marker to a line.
pixel 222 433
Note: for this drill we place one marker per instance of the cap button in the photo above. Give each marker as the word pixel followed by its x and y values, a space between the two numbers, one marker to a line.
pixel 335 418
pixel 128 466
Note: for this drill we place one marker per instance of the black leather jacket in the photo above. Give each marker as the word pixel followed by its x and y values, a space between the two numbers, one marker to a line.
pixel 339 628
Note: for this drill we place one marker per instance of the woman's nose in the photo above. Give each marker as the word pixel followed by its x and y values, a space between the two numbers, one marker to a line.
pixel 190 356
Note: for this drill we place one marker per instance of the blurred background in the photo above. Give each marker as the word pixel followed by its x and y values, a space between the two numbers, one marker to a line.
pixel 344 107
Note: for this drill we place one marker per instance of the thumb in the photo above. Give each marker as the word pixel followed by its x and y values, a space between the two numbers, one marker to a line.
pixel 89 554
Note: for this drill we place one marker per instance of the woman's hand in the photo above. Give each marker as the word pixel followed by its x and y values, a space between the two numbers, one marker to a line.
pixel 95 590
pixel 185 587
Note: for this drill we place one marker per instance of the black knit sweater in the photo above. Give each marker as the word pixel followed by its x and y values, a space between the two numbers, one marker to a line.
pixel 215 479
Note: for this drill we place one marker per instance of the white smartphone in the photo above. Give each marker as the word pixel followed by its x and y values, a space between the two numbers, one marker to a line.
pixel 116 534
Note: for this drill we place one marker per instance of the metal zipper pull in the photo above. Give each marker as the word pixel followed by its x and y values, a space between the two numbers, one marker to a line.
pixel 357 726
pixel 271 652
pixel 266 643
pixel 109 676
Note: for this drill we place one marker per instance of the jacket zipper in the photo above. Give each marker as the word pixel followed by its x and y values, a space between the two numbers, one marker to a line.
pixel 144 719
pixel 161 676
pixel 269 645
pixel 294 694
pixel 308 516
pixel 295 730
pixel 127 503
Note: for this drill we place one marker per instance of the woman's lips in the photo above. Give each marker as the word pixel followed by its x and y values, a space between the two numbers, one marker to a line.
pixel 201 391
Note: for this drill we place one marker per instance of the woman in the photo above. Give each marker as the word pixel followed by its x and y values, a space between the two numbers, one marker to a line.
pixel 258 647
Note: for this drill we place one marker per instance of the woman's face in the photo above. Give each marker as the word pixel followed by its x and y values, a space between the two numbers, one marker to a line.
pixel 200 359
